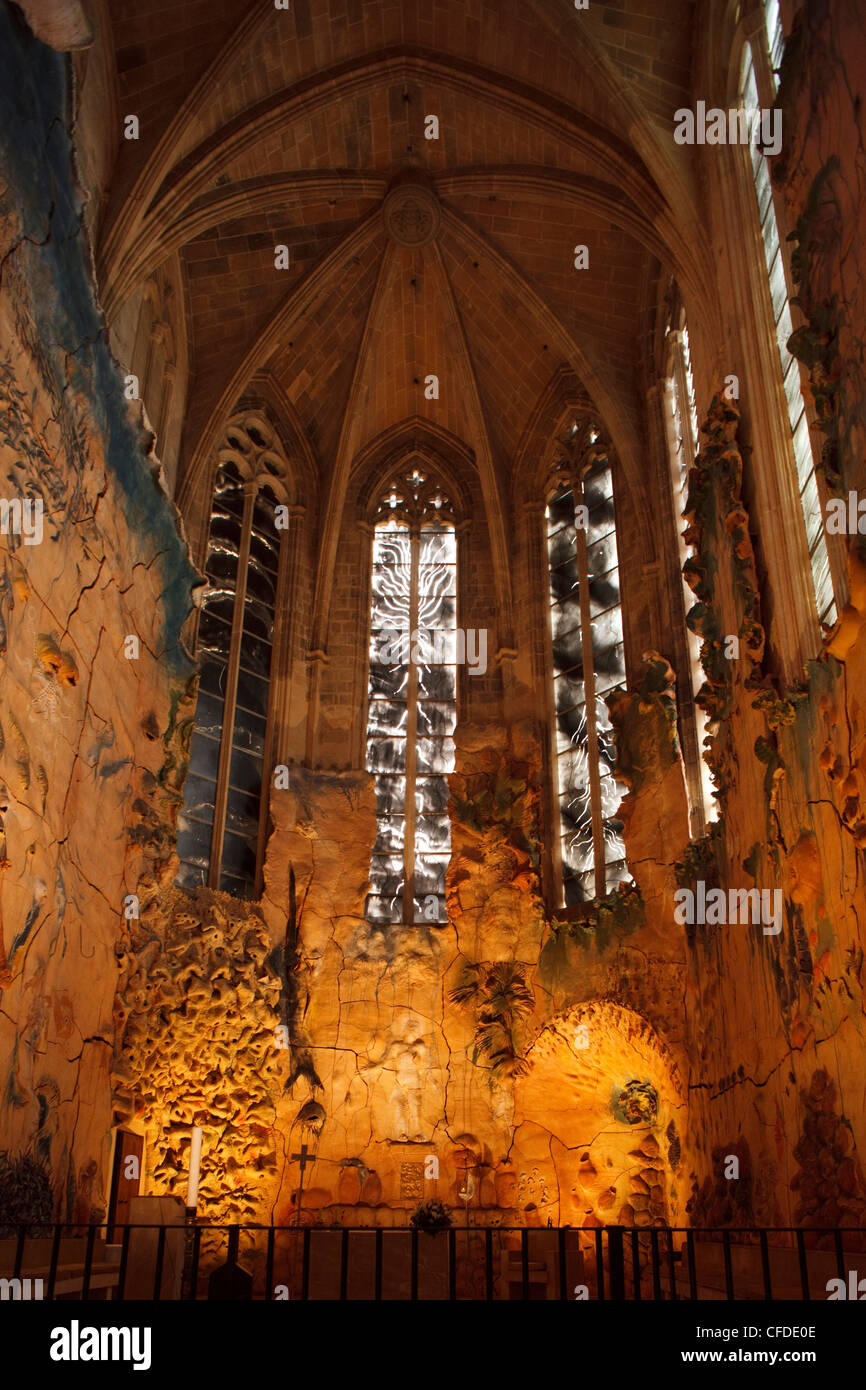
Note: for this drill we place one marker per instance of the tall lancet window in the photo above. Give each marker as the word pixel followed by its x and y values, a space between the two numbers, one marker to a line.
pixel 412 710
pixel 756 92
pixel 682 426
pixel 588 663
pixel 219 826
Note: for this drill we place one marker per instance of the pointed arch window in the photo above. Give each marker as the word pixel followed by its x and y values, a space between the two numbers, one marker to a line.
pixel 218 829
pixel 757 91
pixel 588 664
pixel 412 708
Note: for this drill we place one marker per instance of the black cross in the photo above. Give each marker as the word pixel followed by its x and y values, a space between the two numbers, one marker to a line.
pixel 302 1159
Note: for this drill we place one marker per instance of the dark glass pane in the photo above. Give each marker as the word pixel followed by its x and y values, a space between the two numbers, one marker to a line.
pixel 255 655
pixel 568 653
pixel 242 815
pixel 193 845
pixel 430 874
pixel 222 564
pixel 435 755
pixel 239 857
pixel 577 851
pixel 565 583
pixel 253 693
pixel 384 911
pixel 437 611
pixel 198 797
pixel 575 809
pixel 609 669
pixel 436 718
pixel 213 631
pixel 221 604
pixel 245 772
pixel 560 508
pixel 603 593
pixel 598 487
pixel 579 889
pixel 258 618
pixel 386 717
pixel 212 678
pixel 386 875
pixel 265 550
pixel 249 732
pixel 565 619
pixel 437 683
pixel 386 755
pixel 203 755
pixel 601 556
pixel 437 556
pixel 389 839
pixel 431 794
pixel 433 834
pixel 571 728
pixel 606 631
pixel 562 547
pixel 389 681
pixel 208 715
pixel 568 692
pixel 614 845
pixel 390 796
pixel 434 647
pixel 615 873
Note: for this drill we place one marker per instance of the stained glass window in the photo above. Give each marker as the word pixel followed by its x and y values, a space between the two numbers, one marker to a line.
pixel 412 711
pixel 218 828
pixel 807 485
pixel 588 663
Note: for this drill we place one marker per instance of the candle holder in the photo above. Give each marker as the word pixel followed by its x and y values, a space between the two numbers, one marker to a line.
pixel 186 1289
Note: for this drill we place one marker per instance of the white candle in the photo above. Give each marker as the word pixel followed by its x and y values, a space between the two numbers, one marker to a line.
pixel 194 1167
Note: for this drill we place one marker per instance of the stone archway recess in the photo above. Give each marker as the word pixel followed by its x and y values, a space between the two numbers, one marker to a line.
pixel 599 1120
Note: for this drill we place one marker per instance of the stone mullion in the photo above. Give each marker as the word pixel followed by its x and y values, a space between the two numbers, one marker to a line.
pixel 231 694
pixel 539 576
pixel 411 739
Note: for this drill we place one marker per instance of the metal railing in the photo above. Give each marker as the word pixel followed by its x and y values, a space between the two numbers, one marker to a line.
pixel 202 1260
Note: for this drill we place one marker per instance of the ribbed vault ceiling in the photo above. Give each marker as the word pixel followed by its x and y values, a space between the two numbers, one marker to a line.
pixel 262 127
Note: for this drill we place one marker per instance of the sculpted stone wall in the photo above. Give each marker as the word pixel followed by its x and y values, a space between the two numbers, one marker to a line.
pixel 539 1058
pixel 94 587
pixel 774 1008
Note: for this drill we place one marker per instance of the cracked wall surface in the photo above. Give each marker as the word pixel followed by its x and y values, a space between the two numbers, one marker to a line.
pixel 90 755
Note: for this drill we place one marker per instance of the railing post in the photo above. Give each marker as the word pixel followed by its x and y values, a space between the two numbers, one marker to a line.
pixel 121 1274
pixel 765 1267
pixel 616 1261
pixel 269 1266
pixel 656 1262
pixel 344 1264
pixel 160 1257
pixel 378 1264
pixel 804 1267
pixel 305 1266
pixel 693 1274
pixel 19 1251
pixel 88 1264
pixel 729 1273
